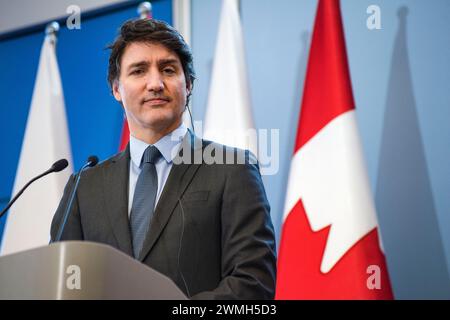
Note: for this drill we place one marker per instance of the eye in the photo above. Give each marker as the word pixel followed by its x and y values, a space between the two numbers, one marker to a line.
pixel 169 70
pixel 136 72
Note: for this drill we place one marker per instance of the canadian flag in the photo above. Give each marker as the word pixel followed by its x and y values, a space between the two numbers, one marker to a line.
pixel 330 247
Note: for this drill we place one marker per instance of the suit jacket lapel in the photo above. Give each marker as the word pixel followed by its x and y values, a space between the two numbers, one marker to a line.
pixel 116 199
pixel 181 174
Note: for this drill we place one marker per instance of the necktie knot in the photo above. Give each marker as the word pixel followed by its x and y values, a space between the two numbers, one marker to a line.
pixel 151 155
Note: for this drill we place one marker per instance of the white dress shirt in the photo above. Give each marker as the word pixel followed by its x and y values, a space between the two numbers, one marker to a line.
pixel 168 146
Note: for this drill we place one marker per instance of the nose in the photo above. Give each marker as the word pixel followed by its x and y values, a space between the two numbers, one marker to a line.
pixel 155 82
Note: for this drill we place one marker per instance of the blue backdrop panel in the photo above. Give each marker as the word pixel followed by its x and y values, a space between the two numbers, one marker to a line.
pixel 94 117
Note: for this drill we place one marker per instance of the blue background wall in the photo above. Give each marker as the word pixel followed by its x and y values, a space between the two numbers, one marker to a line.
pixel 94 117
pixel 401 82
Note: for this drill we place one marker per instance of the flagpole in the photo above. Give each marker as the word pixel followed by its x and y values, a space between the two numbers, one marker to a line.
pixel 51 31
pixel 144 9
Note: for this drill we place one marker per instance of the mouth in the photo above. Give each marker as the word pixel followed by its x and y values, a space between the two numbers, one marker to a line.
pixel 156 101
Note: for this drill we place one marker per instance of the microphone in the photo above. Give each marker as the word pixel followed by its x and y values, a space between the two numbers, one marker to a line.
pixel 59 166
pixel 91 162
pixel 56 167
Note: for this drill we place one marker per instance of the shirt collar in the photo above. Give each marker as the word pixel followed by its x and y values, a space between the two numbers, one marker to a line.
pixel 165 145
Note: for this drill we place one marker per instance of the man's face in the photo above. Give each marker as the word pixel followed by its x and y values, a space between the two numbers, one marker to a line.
pixel 152 88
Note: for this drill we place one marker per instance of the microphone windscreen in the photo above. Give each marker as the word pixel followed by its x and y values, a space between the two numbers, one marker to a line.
pixel 92 160
pixel 59 165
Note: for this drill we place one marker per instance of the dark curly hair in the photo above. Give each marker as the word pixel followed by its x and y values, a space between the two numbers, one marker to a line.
pixel 151 31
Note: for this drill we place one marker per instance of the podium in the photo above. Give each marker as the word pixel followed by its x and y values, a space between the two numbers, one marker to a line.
pixel 81 270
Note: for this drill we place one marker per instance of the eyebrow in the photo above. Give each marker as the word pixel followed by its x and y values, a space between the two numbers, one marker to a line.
pixel 138 64
pixel 162 62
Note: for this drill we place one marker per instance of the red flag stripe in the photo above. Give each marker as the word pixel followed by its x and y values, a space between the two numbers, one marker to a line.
pixel 327 92
pixel 125 137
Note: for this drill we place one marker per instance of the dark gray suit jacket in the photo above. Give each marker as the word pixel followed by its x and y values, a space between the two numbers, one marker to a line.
pixel 228 245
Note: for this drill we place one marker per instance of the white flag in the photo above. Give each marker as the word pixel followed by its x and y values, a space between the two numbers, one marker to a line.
pixel 46 140
pixel 228 118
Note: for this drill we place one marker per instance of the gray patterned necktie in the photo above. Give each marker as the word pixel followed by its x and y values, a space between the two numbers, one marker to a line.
pixel 144 199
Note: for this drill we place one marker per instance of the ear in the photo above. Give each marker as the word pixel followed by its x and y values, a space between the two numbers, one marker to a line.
pixel 115 90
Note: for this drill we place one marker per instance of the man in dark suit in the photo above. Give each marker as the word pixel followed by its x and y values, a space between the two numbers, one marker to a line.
pixel 171 200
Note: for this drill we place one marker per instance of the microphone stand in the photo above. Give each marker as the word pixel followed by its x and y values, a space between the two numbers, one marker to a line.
pixel 56 167
pixel 92 161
